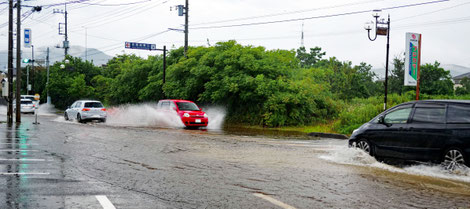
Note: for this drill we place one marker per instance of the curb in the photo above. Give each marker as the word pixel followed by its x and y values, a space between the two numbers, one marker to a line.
pixel 328 135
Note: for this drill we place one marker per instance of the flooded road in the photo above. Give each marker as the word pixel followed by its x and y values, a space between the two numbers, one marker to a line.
pixel 64 164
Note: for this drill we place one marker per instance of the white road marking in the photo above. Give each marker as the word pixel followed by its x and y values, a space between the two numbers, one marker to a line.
pixel 24 173
pixel 104 201
pixel 23 159
pixel 273 201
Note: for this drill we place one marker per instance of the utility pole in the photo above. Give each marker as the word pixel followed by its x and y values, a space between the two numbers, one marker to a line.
pixel 66 42
pixel 184 10
pixel 10 63
pixel 302 37
pixel 18 61
pixel 47 81
pixel 32 67
pixel 27 80
pixel 86 46
pixel 164 65
pixel 186 28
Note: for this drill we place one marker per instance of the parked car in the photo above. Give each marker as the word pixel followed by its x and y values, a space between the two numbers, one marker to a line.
pixel 191 115
pixel 86 110
pixel 430 130
pixel 26 106
pixel 31 97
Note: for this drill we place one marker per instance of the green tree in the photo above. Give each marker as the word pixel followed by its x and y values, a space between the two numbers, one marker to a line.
pixel 434 80
pixel 465 89
pixel 72 83
pixel 309 59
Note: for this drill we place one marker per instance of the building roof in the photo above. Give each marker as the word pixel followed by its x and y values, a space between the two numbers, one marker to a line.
pixel 460 77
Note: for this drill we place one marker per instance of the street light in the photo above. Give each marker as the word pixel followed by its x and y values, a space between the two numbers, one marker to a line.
pixel 66 61
pixel 382 28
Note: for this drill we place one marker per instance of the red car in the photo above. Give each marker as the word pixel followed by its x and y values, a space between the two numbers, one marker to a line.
pixel 191 115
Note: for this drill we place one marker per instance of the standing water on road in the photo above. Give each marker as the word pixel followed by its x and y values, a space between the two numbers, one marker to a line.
pixel 344 155
pixel 145 115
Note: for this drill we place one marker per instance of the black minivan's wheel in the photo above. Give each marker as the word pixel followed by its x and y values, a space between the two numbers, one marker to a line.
pixel 453 159
pixel 66 116
pixel 364 145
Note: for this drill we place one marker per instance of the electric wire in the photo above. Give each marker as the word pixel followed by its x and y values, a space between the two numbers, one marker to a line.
pixel 114 5
pixel 287 13
pixel 119 45
pixel 135 12
pixel 112 15
pixel 433 12
pixel 317 17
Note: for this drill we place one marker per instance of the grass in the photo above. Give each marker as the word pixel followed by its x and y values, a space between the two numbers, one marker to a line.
pixel 320 127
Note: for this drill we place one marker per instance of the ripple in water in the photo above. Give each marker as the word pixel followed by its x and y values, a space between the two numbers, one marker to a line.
pixel 352 156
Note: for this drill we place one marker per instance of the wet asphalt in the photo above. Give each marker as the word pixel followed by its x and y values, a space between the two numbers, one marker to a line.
pixel 59 164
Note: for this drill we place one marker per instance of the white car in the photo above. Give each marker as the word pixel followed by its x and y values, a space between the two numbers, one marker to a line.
pixel 86 110
pixel 27 106
pixel 31 97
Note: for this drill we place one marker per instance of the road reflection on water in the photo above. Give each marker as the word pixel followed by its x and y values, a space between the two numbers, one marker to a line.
pixel 16 145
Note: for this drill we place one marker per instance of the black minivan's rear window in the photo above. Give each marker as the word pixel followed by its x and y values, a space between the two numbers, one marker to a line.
pixel 429 115
pixel 458 114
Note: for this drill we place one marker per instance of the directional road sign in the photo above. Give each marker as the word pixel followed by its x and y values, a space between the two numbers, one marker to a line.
pixel 133 45
pixel 27 37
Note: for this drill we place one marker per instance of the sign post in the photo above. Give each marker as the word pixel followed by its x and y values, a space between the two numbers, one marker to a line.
pixel 150 47
pixel 413 60
pixel 27 37
pixel 36 97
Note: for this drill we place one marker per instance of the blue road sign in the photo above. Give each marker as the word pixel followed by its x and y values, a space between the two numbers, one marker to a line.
pixel 133 45
pixel 27 37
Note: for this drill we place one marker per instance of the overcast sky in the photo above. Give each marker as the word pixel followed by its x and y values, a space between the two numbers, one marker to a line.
pixel 443 25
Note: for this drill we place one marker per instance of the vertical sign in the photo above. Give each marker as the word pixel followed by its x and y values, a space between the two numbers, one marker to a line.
pixel 412 58
pixel 27 37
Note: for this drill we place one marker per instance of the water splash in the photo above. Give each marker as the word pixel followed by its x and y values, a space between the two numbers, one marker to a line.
pixel 344 155
pixel 142 115
pixel 216 117
pixel 47 110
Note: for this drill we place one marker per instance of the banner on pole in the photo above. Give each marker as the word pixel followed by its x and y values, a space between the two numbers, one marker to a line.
pixel 412 56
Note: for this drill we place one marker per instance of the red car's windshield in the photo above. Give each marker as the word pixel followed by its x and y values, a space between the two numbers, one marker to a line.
pixel 188 106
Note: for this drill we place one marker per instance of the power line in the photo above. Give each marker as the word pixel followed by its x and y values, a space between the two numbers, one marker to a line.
pixel 117 15
pixel 317 17
pixel 288 13
pixel 435 11
pixel 114 5
pixel 119 45
pixel 349 32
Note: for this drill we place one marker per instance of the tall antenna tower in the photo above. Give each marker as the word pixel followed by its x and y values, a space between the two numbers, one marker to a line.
pixel 302 37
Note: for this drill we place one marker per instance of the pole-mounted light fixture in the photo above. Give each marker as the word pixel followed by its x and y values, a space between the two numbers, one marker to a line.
pixel 382 28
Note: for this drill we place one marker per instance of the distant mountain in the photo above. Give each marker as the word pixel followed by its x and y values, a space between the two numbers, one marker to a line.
pixel 57 54
pixel 455 70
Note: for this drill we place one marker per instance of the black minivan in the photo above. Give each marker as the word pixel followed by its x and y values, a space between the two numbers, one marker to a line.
pixel 428 130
